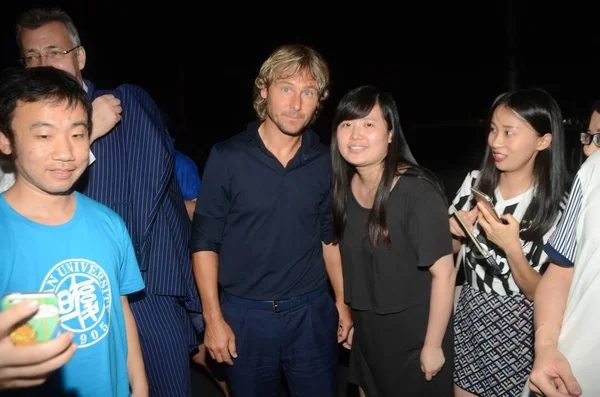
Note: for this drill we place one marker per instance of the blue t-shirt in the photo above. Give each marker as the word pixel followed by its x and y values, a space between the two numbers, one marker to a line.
pixel 89 263
pixel 187 176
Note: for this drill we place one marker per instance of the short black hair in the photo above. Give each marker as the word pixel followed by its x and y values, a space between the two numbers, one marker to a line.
pixel 44 83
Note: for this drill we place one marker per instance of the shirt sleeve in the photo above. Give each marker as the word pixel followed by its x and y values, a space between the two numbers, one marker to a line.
pixel 212 206
pixel 130 277
pixel 562 245
pixel 428 227
pixel 462 200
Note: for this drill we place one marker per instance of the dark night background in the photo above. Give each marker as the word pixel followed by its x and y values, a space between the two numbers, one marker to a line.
pixel 444 62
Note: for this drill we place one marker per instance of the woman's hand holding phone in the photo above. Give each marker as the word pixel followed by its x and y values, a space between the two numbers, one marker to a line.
pixel 504 232
pixel 468 217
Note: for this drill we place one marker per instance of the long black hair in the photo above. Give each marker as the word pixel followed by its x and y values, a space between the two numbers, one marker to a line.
pixel 357 104
pixel 541 111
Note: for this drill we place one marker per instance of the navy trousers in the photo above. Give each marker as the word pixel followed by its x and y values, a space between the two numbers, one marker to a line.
pixel 296 337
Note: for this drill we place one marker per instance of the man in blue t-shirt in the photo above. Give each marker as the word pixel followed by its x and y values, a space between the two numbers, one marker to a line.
pixel 188 179
pixel 59 241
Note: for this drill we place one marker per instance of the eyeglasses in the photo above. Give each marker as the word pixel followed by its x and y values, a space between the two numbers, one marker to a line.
pixel 587 138
pixel 54 55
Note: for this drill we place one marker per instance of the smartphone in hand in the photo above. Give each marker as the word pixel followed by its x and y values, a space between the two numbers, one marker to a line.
pixel 45 323
pixel 486 200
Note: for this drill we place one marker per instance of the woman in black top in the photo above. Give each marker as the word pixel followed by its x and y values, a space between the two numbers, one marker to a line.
pixel 390 220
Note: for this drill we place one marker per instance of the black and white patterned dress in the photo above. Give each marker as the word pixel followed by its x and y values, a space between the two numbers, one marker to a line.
pixel 493 325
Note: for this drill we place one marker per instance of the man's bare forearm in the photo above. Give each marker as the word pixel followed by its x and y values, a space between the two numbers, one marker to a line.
pixel 206 265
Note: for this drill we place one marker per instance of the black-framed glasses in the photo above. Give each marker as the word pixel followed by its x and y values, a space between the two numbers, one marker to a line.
pixel 54 55
pixel 587 138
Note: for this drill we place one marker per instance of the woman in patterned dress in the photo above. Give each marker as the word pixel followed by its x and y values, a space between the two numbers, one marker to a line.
pixel 524 173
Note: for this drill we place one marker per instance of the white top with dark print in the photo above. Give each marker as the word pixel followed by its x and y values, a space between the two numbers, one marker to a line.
pixel 478 272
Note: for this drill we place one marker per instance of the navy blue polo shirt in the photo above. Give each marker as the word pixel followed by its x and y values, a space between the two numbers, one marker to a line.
pixel 265 221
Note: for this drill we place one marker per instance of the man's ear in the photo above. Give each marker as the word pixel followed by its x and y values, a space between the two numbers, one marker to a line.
pixel 81 57
pixel 5 145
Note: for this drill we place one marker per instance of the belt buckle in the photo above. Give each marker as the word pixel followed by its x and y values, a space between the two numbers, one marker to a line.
pixel 275 307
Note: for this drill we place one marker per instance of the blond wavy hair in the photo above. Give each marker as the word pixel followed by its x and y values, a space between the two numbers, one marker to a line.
pixel 292 59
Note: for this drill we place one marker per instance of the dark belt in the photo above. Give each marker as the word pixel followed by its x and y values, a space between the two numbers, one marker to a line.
pixel 276 305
